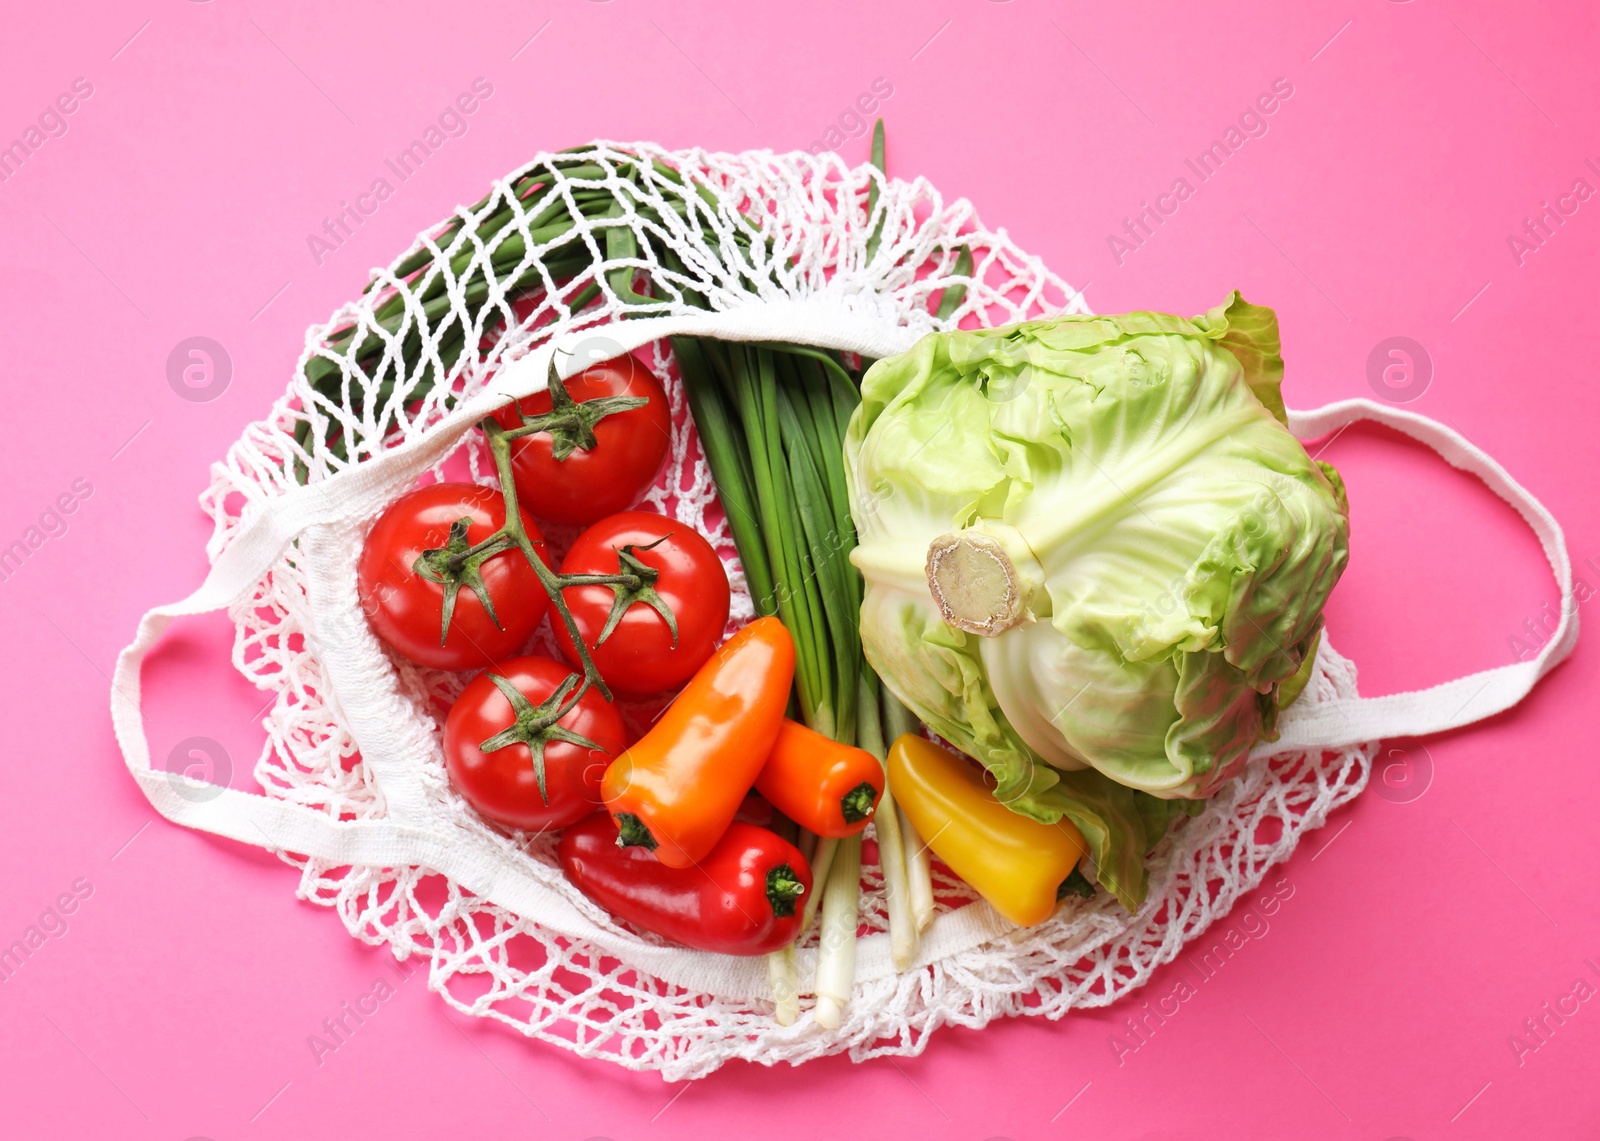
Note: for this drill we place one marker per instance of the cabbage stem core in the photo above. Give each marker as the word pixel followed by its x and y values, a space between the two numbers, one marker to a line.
pixel 975 584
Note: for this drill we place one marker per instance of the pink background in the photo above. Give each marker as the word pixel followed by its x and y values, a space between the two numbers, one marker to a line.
pixel 1421 932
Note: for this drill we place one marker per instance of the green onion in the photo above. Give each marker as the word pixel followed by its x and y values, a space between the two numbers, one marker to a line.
pixel 836 958
pixel 783 973
pixel 891 850
pixel 919 874
pixel 772 420
pixel 897 722
pixel 827 849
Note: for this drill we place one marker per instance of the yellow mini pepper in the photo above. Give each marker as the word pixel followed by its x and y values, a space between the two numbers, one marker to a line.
pixel 1015 863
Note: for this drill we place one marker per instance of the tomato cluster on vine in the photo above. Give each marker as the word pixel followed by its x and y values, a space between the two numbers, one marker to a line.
pixel 456 576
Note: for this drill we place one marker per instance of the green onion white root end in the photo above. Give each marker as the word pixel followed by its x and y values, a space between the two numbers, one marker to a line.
pixel 836 958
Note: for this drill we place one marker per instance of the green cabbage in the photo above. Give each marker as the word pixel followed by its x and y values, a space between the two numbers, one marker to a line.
pixel 1167 546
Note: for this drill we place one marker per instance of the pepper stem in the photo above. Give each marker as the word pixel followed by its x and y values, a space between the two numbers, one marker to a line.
pixel 857 804
pixel 632 833
pixel 783 888
pixel 1077 884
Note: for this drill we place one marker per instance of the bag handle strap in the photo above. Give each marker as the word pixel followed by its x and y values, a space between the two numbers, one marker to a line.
pixel 1338 724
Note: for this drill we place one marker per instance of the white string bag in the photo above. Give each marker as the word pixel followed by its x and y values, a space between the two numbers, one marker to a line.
pixel 355 793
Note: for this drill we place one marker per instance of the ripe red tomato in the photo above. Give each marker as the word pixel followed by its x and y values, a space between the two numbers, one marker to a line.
pixel 638 658
pixel 406 610
pixel 629 447
pixel 503 784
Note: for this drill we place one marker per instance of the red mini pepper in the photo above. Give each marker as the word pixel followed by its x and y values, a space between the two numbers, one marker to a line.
pixel 740 900
pixel 821 784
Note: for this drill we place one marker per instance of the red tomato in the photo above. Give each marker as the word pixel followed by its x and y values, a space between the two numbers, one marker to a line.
pixel 503 784
pixel 629 447
pixel 638 658
pixel 406 610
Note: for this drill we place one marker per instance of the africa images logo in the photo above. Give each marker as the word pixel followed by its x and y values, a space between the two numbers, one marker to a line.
pixel 51 924
pixel 1544 224
pixel 1251 123
pixel 51 523
pixel 451 123
pixel 52 123
pixel 1252 924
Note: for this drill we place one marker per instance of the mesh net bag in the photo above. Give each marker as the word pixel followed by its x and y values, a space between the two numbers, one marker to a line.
pixel 793 248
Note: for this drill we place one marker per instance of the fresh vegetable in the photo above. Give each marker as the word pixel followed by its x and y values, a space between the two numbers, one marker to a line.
pixel 516 534
pixel 1019 865
pixel 903 933
pixel 417 578
pixel 675 791
pixel 1104 508
pixel 772 425
pixel 836 957
pixel 653 636
pixel 519 759
pixel 602 436
pixel 830 788
pixel 742 898
pixel 897 722
pixel 783 976
pixel 783 965
pixel 821 862
pixel 919 874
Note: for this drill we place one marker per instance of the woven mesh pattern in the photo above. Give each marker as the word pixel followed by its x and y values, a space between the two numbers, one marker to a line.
pixel 722 232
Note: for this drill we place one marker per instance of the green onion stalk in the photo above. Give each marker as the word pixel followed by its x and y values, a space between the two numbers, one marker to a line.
pixel 897 722
pixel 891 850
pixel 836 953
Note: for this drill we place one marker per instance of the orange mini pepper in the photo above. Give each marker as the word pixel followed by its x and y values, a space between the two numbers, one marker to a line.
pixel 819 783
pixel 1014 862
pixel 676 789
